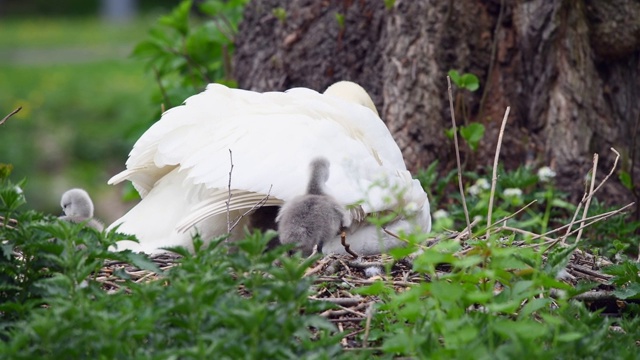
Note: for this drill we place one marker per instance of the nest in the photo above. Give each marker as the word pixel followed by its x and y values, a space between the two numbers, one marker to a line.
pixel 352 312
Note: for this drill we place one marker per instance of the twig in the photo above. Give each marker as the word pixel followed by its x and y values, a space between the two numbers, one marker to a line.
pixel 343 240
pixel 5 222
pixel 591 193
pixel 254 207
pixel 466 232
pixel 396 236
pixel 10 114
pixel 595 218
pixel 228 202
pixel 455 143
pixel 163 91
pixel 367 325
pixel 524 232
pixel 588 200
pixel 494 177
pixel 514 214
pixel 595 296
pixel 340 301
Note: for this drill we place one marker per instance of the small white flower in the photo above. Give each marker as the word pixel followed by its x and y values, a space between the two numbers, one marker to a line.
pixel 18 190
pixel 440 214
pixel 545 174
pixel 512 192
pixel 483 184
pixel 478 218
pixel 474 190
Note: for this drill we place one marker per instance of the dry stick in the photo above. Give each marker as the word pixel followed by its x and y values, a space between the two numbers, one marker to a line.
pixel 10 114
pixel 595 219
pixel 588 196
pixel 588 200
pixel 455 142
pixel 466 232
pixel 504 219
pixel 229 198
pixel 367 325
pixel 254 207
pixel 494 177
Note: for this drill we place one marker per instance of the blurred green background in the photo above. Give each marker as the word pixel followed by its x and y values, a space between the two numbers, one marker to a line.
pixel 84 99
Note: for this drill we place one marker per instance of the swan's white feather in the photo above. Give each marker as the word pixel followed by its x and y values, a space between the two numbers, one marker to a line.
pixel 181 165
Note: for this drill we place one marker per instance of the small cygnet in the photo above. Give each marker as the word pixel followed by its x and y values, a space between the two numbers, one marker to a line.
pixel 315 217
pixel 78 207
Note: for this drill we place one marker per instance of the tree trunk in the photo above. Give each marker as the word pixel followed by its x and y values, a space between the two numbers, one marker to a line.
pixel 569 69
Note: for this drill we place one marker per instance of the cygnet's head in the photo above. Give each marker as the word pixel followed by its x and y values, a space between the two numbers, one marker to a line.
pixel 77 203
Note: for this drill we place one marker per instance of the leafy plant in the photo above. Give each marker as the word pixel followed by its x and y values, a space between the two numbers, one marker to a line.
pixel 185 53
pixel 472 134
pixel 220 302
pixel 466 81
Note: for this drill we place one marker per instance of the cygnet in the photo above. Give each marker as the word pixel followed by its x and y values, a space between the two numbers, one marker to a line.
pixel 78 208
pixel 315 217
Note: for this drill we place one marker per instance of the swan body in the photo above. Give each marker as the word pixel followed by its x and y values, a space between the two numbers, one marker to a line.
pixel 181 166
pixel 311 219
pixel 78 207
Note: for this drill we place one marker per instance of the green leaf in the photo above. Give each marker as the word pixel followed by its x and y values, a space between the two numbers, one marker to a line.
pixel 569 336
pixel 632 291
pixel 179 18
pixel 147 49
pixel 470 82
pixel 472 134
pixel 455 77
pixel 141 261
pixel 377 288
pixel 625 179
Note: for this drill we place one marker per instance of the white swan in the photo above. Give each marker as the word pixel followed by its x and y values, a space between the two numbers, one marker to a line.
pixel 315 217
pixel 181 165
pixel 78 207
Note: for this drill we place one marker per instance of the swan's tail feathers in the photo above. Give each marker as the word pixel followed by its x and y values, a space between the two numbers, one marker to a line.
pixel 217 205
pixel 142 178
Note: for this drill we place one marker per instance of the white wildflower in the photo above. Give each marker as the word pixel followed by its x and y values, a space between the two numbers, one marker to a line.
pixel 545 174
pixel 481 184
pixel 478 218
pixel 474 190
pixel 512 192
pixel 440 214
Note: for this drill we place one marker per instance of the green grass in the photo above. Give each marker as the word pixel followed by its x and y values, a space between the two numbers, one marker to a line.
pixel 84 102
pixel 56 32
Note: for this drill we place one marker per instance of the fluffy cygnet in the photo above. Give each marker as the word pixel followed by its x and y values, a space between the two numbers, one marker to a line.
pixel 311 219
pixel 78 207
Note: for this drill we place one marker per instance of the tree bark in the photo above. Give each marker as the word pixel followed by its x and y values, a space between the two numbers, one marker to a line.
pixel 570 70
